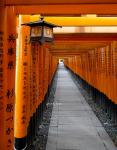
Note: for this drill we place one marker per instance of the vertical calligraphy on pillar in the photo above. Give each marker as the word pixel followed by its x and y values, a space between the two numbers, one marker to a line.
pixel 40 74
pixel 10 50
pixel 46 68
pixel 10 91
pixel 37 75
pixel 25 82
pixel 2 89
pixel 43 69
pixel 1 74
pixel 22 104
pixel 33 49
pixel 31 85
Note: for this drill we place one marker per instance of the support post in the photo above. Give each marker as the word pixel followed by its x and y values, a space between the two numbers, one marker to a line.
pixel 7 76
pixel 22 86
pixel 2 78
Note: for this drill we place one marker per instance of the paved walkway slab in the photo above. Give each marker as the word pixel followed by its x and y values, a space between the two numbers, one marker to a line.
pixel 74 126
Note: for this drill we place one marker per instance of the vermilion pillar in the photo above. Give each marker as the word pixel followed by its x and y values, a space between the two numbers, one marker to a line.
pixel 22 86
pixel 3 58
pixel 10 47
pixel 41 72
pixel 7 76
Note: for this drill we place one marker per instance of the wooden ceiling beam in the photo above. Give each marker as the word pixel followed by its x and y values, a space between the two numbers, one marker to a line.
pixel 69 50
pixel 86 37
pixel 83 21
pixel 66 9
pixel 63 55
pixel 39 2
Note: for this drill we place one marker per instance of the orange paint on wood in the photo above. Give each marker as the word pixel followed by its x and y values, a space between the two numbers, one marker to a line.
pixel 67 10
pixel 3 74
pixel 10 66
pixel 98 68
pixel 22 83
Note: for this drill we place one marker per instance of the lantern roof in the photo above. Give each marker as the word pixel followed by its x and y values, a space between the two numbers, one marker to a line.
pixel 41 22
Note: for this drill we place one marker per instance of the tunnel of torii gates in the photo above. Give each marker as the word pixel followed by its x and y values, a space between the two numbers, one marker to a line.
pixel 26 74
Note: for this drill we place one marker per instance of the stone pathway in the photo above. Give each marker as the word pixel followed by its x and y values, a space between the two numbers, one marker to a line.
pixel 73 125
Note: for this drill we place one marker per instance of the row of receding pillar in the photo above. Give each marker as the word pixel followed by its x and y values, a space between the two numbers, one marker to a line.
pixel 97 72
pixel 25 76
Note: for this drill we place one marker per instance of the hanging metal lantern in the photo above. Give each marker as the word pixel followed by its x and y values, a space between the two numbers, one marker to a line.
pixel 41 31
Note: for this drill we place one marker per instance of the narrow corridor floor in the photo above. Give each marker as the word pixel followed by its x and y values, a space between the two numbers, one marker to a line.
pixel 74 126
